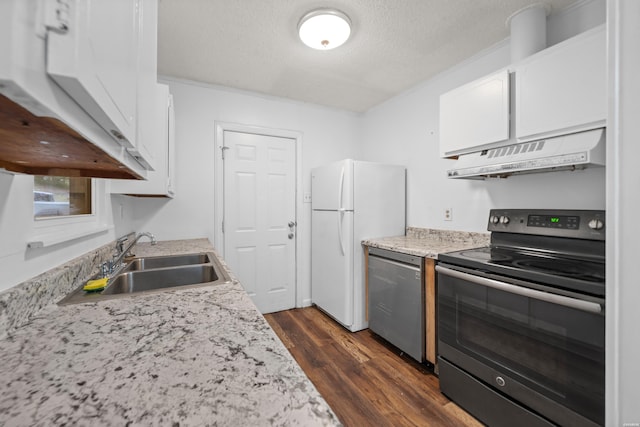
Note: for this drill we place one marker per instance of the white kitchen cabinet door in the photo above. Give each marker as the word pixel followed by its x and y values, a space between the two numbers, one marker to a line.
pixel 475 115
pixel 95 60
pixel 563 88
pixel 160 181
pixel 147 75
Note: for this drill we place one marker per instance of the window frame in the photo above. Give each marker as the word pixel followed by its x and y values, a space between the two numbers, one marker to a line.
pixel 69 219
pixel 49 231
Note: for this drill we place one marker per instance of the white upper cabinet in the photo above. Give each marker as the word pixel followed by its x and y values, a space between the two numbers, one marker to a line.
pixel 147 85
pixel 160 182
pixel 562 89
pixel 95 60
pixel 79 75
pixel 474 115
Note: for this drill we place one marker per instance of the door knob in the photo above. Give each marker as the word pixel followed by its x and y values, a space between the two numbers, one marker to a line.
pixel 290 236
pixel 292 224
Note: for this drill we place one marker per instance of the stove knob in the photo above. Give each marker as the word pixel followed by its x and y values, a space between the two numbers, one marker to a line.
pixel 596 224
pixel 504 220
pixel 493 219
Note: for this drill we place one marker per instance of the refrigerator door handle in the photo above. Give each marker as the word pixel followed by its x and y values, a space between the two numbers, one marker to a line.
pixel 341 210
pixel 340 218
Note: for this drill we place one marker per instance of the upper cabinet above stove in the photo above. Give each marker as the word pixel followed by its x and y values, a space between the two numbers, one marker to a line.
pixel 562 89
pixel 476 113
pixel 88 66
pixel 559 90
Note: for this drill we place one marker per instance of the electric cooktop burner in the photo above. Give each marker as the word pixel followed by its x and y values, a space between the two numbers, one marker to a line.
pixel 568 268
pixel 558 271
pixel 484 254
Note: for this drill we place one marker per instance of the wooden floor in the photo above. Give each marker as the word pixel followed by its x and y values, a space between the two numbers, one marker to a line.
pixel 366 381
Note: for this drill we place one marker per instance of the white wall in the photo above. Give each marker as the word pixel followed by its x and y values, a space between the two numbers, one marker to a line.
pixel 327 135
pixel 405 129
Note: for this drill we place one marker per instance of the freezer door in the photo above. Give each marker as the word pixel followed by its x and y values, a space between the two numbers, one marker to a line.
pixel 332 186
pixel 332 283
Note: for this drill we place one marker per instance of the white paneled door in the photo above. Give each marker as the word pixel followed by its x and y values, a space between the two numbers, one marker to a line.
pixel 260 216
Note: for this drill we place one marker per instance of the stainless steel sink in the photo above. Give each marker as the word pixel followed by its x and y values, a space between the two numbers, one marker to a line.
pixel 140 281
pixel 148 263
pixel 155 274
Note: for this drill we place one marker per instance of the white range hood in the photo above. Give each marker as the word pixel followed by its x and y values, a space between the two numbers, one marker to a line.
pixel 566 152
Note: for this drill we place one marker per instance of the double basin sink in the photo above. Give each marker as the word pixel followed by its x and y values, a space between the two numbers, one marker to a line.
pixel 152 274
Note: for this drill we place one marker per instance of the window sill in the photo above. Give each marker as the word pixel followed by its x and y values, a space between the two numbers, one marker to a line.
pixel 52 239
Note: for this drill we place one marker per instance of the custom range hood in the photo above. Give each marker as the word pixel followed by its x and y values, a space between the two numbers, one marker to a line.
pixel 566 152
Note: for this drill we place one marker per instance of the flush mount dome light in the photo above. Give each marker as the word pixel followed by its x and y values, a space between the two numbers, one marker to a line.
pixel 324 29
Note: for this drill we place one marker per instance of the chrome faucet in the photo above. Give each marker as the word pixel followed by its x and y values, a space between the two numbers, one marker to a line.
pixel 109 267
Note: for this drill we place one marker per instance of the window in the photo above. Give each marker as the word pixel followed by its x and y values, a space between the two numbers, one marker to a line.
pixel 66 209
pixel 55 196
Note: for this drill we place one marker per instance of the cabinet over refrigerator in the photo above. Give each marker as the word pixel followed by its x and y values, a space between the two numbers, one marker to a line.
pixel 351 201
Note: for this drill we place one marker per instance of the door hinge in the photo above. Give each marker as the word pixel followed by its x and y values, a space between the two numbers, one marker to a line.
pixel 223 149
pixel 223 220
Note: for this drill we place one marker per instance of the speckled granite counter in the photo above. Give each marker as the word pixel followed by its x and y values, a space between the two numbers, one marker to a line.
pixel 425 242
pixel 202 356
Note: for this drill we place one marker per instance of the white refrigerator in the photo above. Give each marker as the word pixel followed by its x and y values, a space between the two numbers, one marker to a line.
pixel 351 201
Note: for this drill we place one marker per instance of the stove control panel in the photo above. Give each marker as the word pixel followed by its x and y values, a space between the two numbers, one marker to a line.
pixel 569 222
pixel 578 224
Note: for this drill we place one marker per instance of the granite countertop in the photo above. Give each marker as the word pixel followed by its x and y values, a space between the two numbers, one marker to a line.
pixel 429 242
pixel 199 356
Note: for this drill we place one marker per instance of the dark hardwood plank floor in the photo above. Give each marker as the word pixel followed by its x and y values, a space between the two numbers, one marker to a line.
pixel 365 380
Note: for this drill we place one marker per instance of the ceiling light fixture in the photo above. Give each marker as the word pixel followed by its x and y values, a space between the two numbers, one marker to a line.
pixel 324 29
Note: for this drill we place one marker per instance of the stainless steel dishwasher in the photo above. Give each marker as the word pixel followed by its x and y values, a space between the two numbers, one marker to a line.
pixel 396 300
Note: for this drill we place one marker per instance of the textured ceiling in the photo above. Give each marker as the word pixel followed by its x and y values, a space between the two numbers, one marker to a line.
pixel 395 44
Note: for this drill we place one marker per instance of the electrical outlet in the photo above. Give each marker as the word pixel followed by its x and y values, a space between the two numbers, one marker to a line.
pixel 448 214
pixel 306 198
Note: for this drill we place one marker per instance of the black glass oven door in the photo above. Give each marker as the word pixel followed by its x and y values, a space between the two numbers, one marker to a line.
pixel 546 347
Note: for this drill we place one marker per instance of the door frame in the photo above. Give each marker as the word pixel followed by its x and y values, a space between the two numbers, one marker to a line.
pixel 218 237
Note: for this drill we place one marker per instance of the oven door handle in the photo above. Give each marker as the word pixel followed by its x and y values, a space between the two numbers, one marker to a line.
pixel 578 304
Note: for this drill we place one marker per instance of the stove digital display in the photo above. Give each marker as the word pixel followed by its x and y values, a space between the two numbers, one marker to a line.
pixel 554 221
